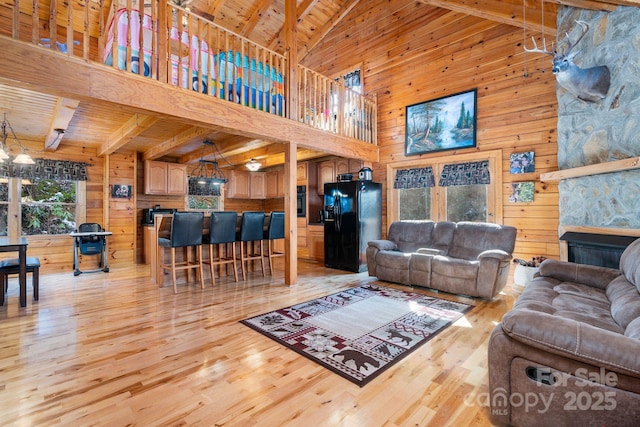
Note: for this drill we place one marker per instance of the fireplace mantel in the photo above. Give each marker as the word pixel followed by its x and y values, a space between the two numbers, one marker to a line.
pixel 596 169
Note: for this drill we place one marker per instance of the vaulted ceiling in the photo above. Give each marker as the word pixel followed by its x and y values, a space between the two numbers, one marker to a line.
pixel 35 116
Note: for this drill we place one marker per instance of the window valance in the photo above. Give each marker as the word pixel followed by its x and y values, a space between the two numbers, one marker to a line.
pixel 207 189
pixel 469 173
pixel 47 169
pixel 414 178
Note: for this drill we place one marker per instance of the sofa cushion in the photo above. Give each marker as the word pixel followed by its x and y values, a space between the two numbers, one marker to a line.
pixel 410 235
pixel 569 300
pixel 393 259
pixel 472 238
pixel 453 267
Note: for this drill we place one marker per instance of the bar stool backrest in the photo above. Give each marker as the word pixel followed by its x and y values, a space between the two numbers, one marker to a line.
pixel 186 229
pixel 276 226
pixel 222 227
pixel 252 226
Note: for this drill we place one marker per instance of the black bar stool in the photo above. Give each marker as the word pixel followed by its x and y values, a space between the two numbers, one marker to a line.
pixel 12 266
pixel 186 231
pixel 274 231
pixel 251 231
pixel 222 232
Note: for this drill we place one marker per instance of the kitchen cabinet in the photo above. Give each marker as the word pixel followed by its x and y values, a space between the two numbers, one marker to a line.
pixel 165 178
pixel 329 170
pixel 315 242
pixel 246 185
pixel 257 185
pixel 302 171
pixel 274 184
pixel 239 185
pixel 326 173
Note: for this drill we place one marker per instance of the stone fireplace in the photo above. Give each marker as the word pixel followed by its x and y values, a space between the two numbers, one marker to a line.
pixel 601 140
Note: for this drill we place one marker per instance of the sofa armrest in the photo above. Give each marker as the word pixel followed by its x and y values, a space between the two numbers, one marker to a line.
pixel 495 253
pixel 574 340
pixel 591 275
pixel 383 245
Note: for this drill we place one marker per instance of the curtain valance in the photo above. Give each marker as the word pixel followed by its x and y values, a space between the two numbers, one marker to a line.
pixel 469 173
pixel 47 169
pixel 414 178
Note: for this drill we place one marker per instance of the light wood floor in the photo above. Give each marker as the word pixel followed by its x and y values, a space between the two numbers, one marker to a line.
pixel 112 349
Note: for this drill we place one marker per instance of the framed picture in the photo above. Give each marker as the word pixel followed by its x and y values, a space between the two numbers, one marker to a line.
pixel 121 191
pixel 521 162
pixel 447 123
pixel 522 192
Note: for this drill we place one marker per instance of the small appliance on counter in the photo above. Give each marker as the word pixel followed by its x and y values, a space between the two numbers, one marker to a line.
pixel 365 174
pixel 147 214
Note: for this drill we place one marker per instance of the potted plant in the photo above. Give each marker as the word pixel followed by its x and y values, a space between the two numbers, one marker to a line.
pixel 525 270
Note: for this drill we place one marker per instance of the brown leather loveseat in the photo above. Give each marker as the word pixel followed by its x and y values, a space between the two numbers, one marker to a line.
pixel 468 258
pixel 568 353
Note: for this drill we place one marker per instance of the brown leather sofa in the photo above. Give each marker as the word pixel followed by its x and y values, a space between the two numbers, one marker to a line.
pixel 569 351
pixel 467 258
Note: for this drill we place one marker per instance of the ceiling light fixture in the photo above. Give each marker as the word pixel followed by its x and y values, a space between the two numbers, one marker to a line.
pixel 253 165
pixel 23 158
pixel 208 172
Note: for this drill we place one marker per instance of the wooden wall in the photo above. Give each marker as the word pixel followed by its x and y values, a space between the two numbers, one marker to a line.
pixel 411 52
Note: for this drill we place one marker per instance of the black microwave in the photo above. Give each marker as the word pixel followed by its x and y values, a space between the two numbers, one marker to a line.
pixel 301 200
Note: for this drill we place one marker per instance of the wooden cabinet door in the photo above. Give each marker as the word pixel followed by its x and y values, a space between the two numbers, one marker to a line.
pixel 155 177
pixel 315 241
pixel 239 185
pixel 342 166
pixel 354 167
pixel 326 173
pixel 177 179
pixel 272 184
pixel 257 180
pixel 280 192
pixel 301 172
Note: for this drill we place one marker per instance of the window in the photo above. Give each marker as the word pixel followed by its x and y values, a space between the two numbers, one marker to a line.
pixel 454 198
pixel 48 206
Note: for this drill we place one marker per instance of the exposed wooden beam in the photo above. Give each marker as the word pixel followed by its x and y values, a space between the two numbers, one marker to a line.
pixel 230 146
pixel 168 145
pixel 133 127
pixel 302 11
pixel 257 14
pixel 330 25
pixel 271 155
pixel 508 12
pixel 64 110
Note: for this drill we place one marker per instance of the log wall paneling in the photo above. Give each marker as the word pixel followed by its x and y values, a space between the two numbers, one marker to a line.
pixel 440 53
pixel 122 212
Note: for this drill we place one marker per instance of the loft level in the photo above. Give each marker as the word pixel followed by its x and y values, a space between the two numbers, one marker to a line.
pixel 169 44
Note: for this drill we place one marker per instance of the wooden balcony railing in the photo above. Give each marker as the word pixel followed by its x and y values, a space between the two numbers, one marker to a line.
pixel 169 44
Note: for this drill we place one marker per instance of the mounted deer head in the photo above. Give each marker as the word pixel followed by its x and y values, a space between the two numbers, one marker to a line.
pixel 587 84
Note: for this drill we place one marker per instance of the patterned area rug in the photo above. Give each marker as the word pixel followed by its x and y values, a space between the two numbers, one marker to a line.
pixel 360 332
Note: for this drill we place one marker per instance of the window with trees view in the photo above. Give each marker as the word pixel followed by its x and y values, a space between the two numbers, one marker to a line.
pixel 48 206
pixel 450 196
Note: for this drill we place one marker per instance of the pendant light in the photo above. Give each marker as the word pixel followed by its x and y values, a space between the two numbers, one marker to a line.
pixel 21 159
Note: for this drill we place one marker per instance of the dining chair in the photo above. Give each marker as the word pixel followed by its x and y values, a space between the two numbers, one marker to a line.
pixel 12 266
pixel 250 235
pixel 221 237
pixel 274 231
pixel 186 232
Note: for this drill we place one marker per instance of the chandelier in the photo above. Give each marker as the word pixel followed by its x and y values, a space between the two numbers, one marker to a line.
pixel 21 159
pixel 207 173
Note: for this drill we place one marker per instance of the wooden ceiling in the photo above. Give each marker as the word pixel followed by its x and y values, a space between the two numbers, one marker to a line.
pixel 38 117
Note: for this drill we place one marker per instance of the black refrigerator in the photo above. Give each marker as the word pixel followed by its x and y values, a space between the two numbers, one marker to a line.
pixel 353 217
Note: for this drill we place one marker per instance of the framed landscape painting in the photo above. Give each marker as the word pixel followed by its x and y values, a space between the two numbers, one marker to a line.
pixel 447 123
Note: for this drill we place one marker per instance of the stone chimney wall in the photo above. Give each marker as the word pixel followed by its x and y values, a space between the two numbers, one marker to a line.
pixel 591 133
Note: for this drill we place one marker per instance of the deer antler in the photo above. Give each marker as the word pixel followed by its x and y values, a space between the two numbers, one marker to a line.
pixel 585 29
pixel 536 49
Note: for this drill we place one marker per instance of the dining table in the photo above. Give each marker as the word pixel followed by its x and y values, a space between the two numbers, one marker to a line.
pixel 18 244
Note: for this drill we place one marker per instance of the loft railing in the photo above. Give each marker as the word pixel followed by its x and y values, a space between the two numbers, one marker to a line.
pixel 329 105
pixel 169 44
